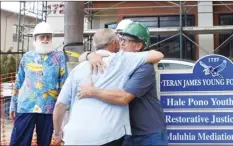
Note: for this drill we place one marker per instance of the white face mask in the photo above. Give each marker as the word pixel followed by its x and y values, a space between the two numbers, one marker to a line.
pixel 43 48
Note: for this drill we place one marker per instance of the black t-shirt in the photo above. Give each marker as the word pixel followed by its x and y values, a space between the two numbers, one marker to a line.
pixel 146 113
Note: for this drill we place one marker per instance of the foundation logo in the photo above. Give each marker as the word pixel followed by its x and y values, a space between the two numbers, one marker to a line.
pixel 214 71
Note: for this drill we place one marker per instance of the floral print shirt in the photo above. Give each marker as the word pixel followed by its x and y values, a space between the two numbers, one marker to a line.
pixel 38 82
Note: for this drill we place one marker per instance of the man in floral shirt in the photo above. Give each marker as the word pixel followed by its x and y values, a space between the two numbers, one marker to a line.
pixel 41 74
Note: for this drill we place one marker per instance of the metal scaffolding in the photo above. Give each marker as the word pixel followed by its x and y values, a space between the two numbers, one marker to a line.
pixel 183 31
pixel 89 13
pixel 35 9
pixel 184 9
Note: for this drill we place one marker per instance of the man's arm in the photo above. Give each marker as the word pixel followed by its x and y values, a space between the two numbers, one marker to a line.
pixel 139 83
pixel 118 96
pixel 61 108
pixel 58 116
pixel 83 56
pixel 97 64
pixel 93 57
pixel 63 73
pixel 64 100
pixel 18 83
pixel 154 56
pixel 131 59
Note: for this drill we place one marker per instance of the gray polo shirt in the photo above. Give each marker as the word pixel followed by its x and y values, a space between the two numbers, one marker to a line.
pixel 146 113
pixel 92 121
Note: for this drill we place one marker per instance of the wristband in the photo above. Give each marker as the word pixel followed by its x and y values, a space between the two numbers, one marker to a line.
pixel 57 133
pixel 87 55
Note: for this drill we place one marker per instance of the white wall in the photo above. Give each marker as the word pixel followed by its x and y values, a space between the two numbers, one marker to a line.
pixel 56 20
pixel 8 20
pixel 57 23
pixel 206 41
pixel 99 22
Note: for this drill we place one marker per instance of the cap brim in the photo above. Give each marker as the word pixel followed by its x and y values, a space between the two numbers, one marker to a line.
pixel 129 35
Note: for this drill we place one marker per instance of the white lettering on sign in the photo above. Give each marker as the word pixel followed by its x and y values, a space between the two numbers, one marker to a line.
pixel 184 136
pixel 229 81
pixel 195 82
pixel 200 136
pixel 199 102
pixel 222 119
pixel 194 102
pixel 214 136
pixel 192 119
pixel 172 82
pixel 213 59
pixel 175 102
pixel 218 102
pixel 199 119
pixel 212 82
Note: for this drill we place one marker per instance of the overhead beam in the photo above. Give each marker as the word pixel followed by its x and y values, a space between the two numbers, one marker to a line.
pixel 226 29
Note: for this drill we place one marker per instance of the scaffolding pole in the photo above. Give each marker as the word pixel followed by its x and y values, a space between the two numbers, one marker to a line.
pixel 163 40
pixel 228 39
pixel 146 7
pixel 38 8
pixel 181 41
pixel 182 8
pixel 18 35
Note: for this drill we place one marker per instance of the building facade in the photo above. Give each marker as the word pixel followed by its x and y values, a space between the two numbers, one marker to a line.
pixel 106 14
pixel 9 32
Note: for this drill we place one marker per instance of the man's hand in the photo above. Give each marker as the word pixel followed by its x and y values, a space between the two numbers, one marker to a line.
pixel 96 62
pixel 58 137
pixel 86 89
pixel 12 115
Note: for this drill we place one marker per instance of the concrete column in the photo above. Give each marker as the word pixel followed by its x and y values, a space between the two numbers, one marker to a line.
pixel 205 18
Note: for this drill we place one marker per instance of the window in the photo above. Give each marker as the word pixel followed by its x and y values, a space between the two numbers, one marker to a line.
pixel 227 49
pixel 111 25
pixel 147 21
pixel 168 21
pixel 171 47
pixel 15 33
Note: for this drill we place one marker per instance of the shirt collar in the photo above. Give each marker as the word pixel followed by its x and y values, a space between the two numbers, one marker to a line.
pixel 103 51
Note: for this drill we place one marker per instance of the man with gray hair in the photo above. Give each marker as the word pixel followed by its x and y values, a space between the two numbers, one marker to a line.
pixel 92 121
pixel 106 38
pixel 147 118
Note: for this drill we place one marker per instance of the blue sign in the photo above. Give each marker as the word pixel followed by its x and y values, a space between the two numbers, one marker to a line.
pixel 199 118
pixel 197 101
pixel 201 136
pixel 210 73
pixel 188 98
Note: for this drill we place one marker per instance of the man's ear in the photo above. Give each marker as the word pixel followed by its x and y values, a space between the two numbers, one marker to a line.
pixel 139 47
pixel 113 45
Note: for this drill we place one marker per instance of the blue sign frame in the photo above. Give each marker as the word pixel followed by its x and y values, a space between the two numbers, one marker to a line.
pixel 188 97
pixel 210 73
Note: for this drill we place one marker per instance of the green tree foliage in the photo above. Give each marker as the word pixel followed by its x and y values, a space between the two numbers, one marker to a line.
pixel 8 63
pixel 231 58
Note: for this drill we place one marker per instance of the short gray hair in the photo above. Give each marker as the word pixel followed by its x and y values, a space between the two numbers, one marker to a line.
pixel 103 37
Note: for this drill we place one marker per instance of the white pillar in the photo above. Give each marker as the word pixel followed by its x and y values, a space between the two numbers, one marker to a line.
pixel 205 18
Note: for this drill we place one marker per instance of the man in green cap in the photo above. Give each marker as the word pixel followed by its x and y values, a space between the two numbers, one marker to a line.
pixel 146 114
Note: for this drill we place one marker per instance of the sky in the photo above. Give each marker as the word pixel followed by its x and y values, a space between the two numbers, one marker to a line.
pixel 14 7
pixel 11 6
